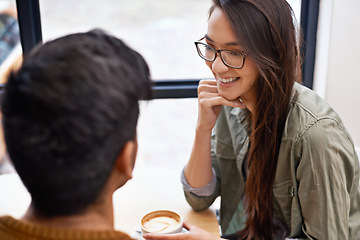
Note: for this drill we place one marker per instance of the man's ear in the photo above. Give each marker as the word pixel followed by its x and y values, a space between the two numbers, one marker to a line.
pixel 126 159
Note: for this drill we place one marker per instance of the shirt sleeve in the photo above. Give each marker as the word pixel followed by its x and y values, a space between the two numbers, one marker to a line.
pixel 327 174
pixel 205 191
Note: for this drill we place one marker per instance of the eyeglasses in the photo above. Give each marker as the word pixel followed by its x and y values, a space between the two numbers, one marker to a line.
pixel 233 59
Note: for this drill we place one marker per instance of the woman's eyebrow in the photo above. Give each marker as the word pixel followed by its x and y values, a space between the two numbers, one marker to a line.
pixel 208 38
pixel 233 44
pixel 228 44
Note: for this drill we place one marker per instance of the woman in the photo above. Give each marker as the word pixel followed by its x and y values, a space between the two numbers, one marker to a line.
pixel 277 155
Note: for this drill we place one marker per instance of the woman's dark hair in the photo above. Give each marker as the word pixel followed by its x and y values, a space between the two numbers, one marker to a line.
pixel 265 28
pixel 67 113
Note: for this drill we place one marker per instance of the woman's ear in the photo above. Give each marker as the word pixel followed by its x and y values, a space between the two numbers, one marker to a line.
pixel 126 160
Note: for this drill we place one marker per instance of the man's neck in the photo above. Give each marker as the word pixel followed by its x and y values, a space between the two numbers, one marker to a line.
pixel 96 217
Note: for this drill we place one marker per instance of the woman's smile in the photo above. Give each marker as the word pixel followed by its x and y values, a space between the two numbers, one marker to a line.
pixel 227 80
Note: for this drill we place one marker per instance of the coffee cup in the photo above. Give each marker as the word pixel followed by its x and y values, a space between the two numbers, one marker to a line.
pixel 161 221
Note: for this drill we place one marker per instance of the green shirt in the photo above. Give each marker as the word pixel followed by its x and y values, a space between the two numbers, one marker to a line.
pixel 316 191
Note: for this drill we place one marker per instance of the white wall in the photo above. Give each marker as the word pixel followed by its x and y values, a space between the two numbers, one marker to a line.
pixel 337 67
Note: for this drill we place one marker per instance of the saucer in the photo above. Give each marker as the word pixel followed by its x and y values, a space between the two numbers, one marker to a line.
pixel 137 234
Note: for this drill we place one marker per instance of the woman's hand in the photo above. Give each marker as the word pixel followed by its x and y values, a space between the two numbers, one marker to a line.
pixel 198 171
pixel 210 103
pixel 195 233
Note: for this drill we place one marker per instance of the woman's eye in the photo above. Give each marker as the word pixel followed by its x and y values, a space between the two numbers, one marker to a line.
pixel 235 54
pixel 208 47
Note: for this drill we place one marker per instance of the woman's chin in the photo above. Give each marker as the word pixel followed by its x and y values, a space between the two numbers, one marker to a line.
pixel 229 97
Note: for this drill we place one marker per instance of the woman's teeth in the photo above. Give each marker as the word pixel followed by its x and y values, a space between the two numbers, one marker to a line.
pixel 227 80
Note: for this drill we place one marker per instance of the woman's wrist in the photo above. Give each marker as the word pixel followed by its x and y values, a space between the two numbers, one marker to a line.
pixel 202 130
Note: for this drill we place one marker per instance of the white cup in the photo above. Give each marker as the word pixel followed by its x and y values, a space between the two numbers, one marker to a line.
pixel 161 221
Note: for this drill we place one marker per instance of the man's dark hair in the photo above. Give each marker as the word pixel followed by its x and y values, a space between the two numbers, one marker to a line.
pixel 67 113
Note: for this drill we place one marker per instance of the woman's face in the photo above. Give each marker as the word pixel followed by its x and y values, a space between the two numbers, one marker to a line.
pixel 232 83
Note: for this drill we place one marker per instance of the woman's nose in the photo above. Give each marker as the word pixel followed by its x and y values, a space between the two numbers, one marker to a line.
pixel 218 65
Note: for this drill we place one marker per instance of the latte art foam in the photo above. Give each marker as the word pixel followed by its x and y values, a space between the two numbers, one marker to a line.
pixel 161 224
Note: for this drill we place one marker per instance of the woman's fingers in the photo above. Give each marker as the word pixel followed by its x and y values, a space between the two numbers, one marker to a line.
pixel 207 82
pixel 209 100
pixel 189 226
pixel 207 86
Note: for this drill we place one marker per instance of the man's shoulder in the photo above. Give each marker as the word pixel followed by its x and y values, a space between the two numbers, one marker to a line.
pixel 11 227
pixel 8 228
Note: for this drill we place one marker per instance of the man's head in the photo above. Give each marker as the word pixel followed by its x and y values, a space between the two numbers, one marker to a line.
pixel 67 114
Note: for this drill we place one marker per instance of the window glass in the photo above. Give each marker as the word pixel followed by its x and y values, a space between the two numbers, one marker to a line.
pixel 163 31
pixel 166 131
pixel 296 6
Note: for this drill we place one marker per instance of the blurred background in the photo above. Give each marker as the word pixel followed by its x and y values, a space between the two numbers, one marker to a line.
pixel 163 31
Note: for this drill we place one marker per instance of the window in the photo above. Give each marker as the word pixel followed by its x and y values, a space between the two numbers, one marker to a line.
pixel 171 21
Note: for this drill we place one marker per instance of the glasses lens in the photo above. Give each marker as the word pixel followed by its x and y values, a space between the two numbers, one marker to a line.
pixel 206 52
pixel 233 59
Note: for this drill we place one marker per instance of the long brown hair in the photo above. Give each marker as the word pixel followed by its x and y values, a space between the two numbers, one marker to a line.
pixel 266 30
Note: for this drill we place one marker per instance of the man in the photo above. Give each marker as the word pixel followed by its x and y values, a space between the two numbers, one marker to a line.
pixel 69 115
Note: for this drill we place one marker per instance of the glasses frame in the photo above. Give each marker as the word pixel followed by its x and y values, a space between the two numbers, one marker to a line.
pixel 219 51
